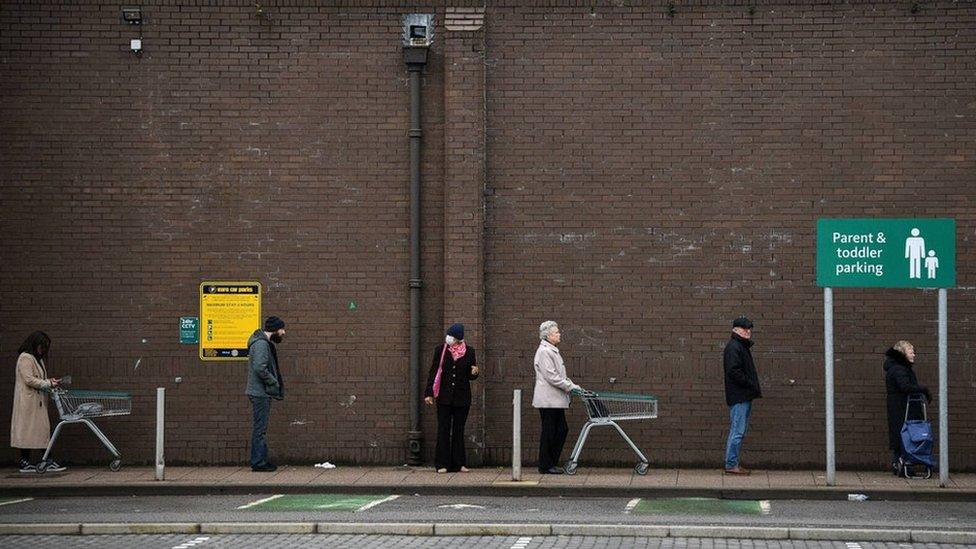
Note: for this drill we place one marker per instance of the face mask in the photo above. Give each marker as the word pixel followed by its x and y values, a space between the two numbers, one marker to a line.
pixel 450 340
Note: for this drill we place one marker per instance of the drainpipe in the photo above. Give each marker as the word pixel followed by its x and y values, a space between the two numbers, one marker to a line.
pixel 418 31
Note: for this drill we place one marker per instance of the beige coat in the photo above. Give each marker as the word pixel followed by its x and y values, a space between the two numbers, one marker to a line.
pixel 552 387
pixel 30 426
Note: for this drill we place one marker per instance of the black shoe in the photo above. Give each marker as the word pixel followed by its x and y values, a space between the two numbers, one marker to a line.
pixel 553 471
pixel 265 468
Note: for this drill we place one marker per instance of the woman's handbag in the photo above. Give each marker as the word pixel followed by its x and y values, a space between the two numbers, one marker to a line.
pixel 440 370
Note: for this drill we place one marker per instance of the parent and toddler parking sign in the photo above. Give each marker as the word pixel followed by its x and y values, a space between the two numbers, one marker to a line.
pixel 886 253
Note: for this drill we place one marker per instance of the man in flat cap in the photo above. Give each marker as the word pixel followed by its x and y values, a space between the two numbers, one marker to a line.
pixel 741 388
pixel 263 384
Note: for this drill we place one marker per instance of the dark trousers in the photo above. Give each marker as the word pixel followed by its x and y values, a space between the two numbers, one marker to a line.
pixel 554 431
pixel 449 452
pixel 261 408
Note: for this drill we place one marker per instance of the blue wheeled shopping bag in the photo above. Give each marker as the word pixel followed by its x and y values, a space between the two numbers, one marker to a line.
pixel 917 442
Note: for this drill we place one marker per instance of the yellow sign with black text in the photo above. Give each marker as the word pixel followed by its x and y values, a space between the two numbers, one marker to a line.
pixel 229 314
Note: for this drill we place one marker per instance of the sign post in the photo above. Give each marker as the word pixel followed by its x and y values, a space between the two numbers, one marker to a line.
pixel 886 253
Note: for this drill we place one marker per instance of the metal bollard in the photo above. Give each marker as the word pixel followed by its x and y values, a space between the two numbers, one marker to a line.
pixel 517 435
pixel 160 426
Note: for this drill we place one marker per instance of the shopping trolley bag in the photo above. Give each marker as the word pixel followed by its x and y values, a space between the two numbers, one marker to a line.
pixel 917 442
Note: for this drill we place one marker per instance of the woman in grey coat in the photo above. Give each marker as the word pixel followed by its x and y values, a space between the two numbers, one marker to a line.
pixel 551 397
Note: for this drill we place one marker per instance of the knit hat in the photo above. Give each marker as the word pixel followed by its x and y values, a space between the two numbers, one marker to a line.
pixel 456 331
pixel 273 324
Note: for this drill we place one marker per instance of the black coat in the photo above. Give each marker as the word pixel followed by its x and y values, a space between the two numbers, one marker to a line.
pixel 455 381
pixel 741 379
pixel 900 381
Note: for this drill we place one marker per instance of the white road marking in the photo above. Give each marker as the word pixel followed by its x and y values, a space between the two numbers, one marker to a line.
pixel 630 505
pixel 853 545
pixel 765 506
pixel 191 543
pixel 331 505
pixel 522 543
pixel 2 503
pixel 460 506
pixel 260 501
pixel 375 503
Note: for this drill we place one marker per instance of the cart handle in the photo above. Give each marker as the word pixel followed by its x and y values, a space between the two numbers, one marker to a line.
pixel 627 396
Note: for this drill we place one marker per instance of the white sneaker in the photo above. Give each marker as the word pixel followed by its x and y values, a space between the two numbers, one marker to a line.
pixel 27 467
pixel 53 467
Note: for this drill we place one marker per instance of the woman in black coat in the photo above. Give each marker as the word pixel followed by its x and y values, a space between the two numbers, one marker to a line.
pixel 900 381
pixel 456 362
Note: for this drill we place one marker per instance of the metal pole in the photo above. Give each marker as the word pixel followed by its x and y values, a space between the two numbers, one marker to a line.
pixel 943 388
pixel 416 59
pixel 829 381
pixel 517 435
pixel 160 428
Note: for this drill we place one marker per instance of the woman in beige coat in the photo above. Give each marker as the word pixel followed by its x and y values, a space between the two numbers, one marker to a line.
pixel 551 398
pixel 30 427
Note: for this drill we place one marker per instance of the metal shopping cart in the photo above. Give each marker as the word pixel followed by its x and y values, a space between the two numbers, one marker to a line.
pixel 608 409
pixel 76 406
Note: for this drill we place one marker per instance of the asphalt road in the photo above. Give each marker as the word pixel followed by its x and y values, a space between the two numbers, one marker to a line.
pixel 238 541
pixel 958 516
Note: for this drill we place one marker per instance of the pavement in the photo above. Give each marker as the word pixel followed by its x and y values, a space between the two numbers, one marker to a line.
pixel 489 481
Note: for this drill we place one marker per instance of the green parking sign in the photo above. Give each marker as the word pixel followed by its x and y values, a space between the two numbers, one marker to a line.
pixel 886 253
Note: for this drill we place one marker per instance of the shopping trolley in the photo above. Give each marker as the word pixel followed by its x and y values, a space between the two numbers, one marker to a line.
pixel 76 406
pixel 608 409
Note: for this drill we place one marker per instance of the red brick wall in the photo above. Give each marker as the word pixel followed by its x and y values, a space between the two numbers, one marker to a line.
pixel 638 177
pixel 652 177
pixel 236 147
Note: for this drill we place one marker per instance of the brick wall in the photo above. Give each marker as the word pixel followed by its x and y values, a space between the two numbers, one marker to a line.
pixel 652 177
pixel 639 177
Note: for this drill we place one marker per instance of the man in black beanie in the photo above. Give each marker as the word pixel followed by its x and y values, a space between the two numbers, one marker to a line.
pixel 263 384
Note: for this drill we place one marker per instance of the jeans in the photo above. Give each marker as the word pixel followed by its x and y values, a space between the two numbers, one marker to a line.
pixel 738 424
pixel 259 430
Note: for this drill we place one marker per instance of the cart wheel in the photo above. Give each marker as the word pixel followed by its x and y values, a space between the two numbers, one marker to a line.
pixel 570 467
pixel 42 466
pixel 641 468
pixel 115 465
pixel 928 472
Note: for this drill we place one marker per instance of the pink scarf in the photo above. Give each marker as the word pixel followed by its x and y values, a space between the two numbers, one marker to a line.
pixel 458 350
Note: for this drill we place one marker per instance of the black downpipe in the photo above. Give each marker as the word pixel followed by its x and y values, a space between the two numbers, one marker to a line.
pixel 416 59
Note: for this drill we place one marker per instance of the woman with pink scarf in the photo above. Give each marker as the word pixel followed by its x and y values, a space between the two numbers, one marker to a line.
pixel 448 383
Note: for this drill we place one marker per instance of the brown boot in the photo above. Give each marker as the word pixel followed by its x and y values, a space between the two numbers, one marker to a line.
pixel 737 470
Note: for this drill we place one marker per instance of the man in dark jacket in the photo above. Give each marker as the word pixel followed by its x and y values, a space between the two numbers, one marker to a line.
pixel 263 384
pixel 900 381
pixel 741 388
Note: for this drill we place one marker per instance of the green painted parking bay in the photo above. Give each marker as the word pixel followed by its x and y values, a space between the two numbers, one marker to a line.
pixel 700 506
pixel 317 502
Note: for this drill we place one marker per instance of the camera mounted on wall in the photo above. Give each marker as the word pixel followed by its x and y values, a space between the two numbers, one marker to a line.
pixel 418 35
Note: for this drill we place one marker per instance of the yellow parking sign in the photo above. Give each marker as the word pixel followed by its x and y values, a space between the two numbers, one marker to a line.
pixel 229 314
